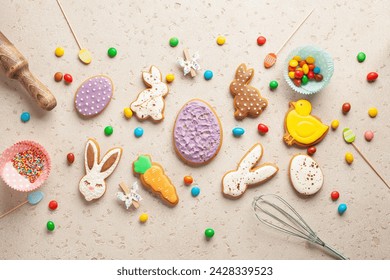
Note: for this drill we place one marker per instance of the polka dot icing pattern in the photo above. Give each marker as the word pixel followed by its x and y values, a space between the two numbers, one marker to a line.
pixel 93 96
pixel 197 133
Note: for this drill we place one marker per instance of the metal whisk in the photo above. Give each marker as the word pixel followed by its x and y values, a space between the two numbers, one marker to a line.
pixel 275 212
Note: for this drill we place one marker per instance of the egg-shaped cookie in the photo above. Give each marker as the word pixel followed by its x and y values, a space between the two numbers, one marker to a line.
pixel 197 133
pixel 305 175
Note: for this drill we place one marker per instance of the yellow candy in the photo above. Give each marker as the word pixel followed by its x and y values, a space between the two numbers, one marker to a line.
pixel 221 40
pixel 293 63
pixel 349 158
pixel 305 69
pixel 59 52
pixel 310 60
pixel 297 58
pixel 169 78
pixel 143 217
pixel 372 112
pixel 128 113
pixel 85 56
pixel 335 124
pixel 291 74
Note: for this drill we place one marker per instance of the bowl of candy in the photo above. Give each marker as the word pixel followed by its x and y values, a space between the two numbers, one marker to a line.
pixel 308 69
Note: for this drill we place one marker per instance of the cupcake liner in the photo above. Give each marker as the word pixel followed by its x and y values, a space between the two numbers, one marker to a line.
pixel 10 175
pixel 322 60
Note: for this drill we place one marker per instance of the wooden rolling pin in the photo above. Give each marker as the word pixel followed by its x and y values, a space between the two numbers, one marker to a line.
pixel 15 66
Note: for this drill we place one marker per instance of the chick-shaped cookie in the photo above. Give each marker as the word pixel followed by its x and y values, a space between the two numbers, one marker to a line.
pixel 301 128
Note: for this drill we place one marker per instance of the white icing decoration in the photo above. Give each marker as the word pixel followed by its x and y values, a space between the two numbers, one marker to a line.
pixel 235 182
pixel 188 64
pixel 150 102
pixel 306 175
pixel 128 198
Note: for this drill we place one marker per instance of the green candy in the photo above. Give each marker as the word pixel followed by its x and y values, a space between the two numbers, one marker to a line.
pixel 50 226
pixel 348 135
pixel 173 42
pixel 361 57
pixel 142 164
pixel 273 84
pixel 112 52
pixel 209 232
pixel 108 130
pixel 304 80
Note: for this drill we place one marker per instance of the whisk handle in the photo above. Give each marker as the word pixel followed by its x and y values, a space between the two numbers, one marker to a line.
pixel 335 252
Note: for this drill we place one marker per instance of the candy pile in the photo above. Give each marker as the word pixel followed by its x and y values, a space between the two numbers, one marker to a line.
pixel 302 70
pixel 29 163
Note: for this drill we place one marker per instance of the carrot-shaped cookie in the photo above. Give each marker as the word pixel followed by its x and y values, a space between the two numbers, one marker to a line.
pixel 153 177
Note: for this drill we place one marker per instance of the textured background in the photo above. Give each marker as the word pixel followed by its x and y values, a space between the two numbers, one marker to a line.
pixel 104 229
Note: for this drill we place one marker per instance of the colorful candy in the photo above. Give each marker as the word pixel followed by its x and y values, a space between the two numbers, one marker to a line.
pixel 169 78
pixel 273 85
pixel 59 52
pixel 195 191
pixel 209 232
pixel 53 205
pixel 173 42
pixel 346 108
pixel 25 117
pixel 127 112
pixel 108 130
pixel 342 208
pixel 262 128
pixel 349 157
pixel 68 78
pixel 188 180
pixel 50 226
pixel 143 217
pixel 372 112
pixel 335 124
pixel 138 132
pixel 335 195
pixel 301 71
pixel 221 40
pixel 112 52
pixel 208 75
pixel 368 135
pixel 316 70
pixel 238 131
pixel 58 77
pixel 261 40
pixel 361 57
pixel 70 158
pixel 29 164
pixel 311 151
pixel 372 76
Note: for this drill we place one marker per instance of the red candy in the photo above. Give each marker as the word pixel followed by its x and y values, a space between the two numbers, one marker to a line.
pixel 70 158
pixel 335 195
pixel 261 40
pixel 298 74
pixel 311 75
pixel 53 205
pixel 68 78
pixel 297 82
pixel 311 150
pixel 346 108
pixel 372 76
pixel 262 128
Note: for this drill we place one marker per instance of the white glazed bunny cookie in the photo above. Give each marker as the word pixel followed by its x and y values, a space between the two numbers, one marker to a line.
pixel 235 182
pixel 92 185
pixel 150 102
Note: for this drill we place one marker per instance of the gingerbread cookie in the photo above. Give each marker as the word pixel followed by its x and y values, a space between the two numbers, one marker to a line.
pixel 153 177
pixel 93 96
pixel 197 134
pixel 305 175
pixel 247 99
pixel 93 185
pixel 150 102
pixel 235 182
pixel 300 127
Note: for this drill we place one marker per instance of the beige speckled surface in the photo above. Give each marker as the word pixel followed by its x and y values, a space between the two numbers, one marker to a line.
pixel 104 229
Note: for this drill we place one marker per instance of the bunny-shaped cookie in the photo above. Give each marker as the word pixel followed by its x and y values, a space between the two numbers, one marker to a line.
pixel 247 99
pixel 150 102
pixel 235 182
pixel 92 185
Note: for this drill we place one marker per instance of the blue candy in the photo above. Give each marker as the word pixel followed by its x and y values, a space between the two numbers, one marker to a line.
pixel 342 208
pixel 25 116
pixel 195 191
pixel 238 131
pixel 316 70
pixel 138 132
pixel 208 74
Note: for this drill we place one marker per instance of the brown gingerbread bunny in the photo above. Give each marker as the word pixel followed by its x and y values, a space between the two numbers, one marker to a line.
pixel 247 99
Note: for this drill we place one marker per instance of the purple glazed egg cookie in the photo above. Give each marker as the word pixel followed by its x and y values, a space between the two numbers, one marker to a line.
pixel 197 134
pixel 93 96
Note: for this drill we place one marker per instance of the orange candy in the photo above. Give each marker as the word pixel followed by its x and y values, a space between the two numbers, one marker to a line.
pixel 188 180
